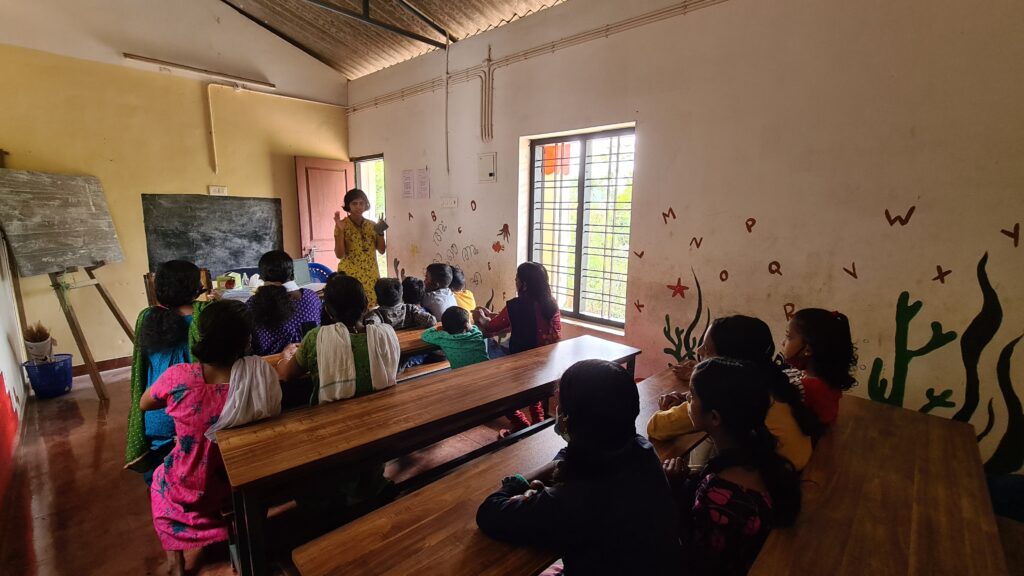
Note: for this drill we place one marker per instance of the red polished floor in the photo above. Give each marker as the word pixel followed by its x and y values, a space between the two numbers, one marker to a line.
pixel 73 510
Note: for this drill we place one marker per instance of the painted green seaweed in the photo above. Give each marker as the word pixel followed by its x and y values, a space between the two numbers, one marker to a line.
pixel 879 388
pixel 1009 454
pixel 940 400
pixel 677 343
pixel 684 343
pixel 976 337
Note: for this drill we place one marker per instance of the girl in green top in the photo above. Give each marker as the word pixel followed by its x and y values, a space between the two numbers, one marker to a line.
pixel 345 358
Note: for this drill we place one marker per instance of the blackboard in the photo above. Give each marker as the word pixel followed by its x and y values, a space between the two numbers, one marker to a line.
pixel 214 232
pixel 53 222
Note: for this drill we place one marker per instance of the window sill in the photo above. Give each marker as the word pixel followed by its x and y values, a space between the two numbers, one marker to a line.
pixel 593 326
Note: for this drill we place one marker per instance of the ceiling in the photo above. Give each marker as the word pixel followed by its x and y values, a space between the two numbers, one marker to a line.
pixel 356 48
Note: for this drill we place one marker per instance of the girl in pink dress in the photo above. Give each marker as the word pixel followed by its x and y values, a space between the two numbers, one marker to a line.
pixel 190 489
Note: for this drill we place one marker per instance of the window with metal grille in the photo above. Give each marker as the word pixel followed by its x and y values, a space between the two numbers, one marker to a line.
pixel 581 192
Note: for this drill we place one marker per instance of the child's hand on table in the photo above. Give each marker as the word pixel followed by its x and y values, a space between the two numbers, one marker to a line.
pixel 684 370
pixel 672 399
pixel 289 352
pixel 676 469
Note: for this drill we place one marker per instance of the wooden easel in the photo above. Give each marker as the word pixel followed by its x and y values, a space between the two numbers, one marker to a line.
pixel 76 327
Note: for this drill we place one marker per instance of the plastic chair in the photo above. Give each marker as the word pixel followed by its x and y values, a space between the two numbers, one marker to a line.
pixel 318 272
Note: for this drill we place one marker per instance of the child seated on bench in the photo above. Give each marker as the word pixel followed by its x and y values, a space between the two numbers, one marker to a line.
pixel 283 311
pixel 460 341
pixel 392 311
pixel 603 503
pixel 820 351
pixel 533 319
pixel 346 358
pixel 162 341
pixel 190 490
pixel 727 509
pixel 749 340
pixel 438 296
pixel 463 296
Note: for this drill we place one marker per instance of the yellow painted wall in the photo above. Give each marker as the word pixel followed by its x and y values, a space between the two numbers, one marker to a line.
pixel 148 133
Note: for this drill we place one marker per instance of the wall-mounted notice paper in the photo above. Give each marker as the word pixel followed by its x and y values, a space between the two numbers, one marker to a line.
pixel 407 184
pixel 422 183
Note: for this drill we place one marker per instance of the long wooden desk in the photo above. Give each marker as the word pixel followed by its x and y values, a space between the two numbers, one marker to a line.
pixel 890 491
pixel 433 530
pixel 388 424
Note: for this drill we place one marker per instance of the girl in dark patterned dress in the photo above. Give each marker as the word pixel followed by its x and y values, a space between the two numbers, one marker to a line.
pixel 283 312
pixel 728 507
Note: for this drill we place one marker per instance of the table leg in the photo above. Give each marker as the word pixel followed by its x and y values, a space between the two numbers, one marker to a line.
pixel 250 516
pixel 631 366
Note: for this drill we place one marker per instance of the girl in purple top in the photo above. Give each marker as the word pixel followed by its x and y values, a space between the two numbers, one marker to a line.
pixel 282 311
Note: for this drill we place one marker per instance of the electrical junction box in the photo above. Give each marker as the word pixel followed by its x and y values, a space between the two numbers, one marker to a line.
pixel 487 167
pixel 217 190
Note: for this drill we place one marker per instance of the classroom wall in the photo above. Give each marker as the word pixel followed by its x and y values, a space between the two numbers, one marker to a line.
pixel 867 148
pixel 148 133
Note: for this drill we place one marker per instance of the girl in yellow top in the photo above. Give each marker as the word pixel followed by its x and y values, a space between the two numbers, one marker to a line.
pixel 750 340
pixel 355 239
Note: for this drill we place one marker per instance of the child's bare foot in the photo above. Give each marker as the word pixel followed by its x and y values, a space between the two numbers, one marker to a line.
pixel 175 563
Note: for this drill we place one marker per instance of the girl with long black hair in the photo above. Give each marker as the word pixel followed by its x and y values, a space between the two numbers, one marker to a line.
pixel 728 508
pixel 533 319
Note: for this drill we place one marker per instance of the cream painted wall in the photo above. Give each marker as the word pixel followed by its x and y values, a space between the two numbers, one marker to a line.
pixel 814 117
pixel 148 133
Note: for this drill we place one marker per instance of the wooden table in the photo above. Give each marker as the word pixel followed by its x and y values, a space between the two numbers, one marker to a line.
pixel 388 424
pixel 890 491
pixel 433 530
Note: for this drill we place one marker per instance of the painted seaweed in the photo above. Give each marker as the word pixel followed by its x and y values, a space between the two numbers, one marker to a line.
pixel 684 343
pixel 991 422
pixel 976 337
pixel 879 389
pixel 676 351
pixel 1009 454
pixel 940 400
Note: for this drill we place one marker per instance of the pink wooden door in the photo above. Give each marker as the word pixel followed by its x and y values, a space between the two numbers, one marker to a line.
pixel 322 184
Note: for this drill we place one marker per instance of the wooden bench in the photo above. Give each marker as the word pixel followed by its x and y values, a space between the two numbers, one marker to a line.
pixel 890 491
pixel 433 530
pixel 424 369
pixel 387 424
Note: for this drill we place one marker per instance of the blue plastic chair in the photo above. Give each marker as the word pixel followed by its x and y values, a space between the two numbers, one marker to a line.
pixel 318 272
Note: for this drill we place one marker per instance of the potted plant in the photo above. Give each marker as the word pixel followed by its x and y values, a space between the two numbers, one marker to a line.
pixel 39 343
pixel 49 373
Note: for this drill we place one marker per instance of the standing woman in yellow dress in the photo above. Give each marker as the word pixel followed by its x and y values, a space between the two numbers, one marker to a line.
pixel 355 239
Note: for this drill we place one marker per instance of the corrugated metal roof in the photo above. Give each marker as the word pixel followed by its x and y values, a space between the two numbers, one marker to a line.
pixel 357 48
